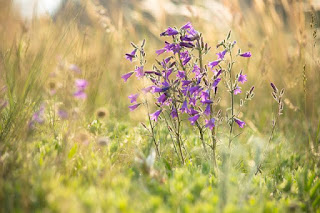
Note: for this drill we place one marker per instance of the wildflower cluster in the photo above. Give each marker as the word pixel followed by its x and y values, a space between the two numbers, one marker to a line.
pixel 183 85
pixel 63 97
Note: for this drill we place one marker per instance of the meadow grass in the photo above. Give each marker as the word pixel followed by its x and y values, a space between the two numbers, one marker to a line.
pixel 98 159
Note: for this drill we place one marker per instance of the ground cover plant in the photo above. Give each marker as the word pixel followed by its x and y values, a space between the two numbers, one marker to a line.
pixel 104 108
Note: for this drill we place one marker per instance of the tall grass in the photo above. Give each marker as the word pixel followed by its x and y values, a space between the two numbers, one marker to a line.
pixel 50 169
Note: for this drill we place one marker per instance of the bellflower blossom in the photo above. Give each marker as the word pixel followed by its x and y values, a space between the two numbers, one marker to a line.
pixel 210 123
pixel 216 82
pixel 154 116
pixel 37 117
pixel 139 72
pixel 130 56
pixel 133 98
pixel 196 71
pixel 237 90
pixel 81 85
pixel 207 111
pixel 214 63
pixel 125 77
pixel 193 119
pixel 181 74
pixel 242 78
pixel 246 54
pixel 239 122
pixel 221 54
pixel 133 107
pixel 184 107
pixel 170 32
pixel 174 113
pixel 160 51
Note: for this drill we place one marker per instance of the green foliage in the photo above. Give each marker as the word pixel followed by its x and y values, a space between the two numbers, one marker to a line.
pixel 91 164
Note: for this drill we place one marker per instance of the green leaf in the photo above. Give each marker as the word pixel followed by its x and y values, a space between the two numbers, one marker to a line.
pixel 73 151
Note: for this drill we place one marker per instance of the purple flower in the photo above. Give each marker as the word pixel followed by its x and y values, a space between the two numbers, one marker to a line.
pixel 193 111
pixel 81 84
pixel 130 56
pixel 218 73
pixel 187 26
pixel 207 111
pixel 62 114
pixel 246 54
pixel 192 101
pixel 139 72
pixel 37 117
pixel 167 73
pixel 193 119
pixel 186 60
pixel 154 116
pixel 133 107
pixel 166 86
pixel 210 123
pixel 204 96
pixel 126 76
pixel 80 94
pixel 159 52
pixel 216 82
pixel 193 34
pixel 194 89
pixel 181 74
pixel 184 90
pixel 166 61
pixel 240 122
pixel 162 98
pixel 185 83
pixel 169 32
pixel 147 89
pixel 214 63
pixel 242 78
pixel 175 48
pixel 174 113
pixel 133 97
pixel 186 44
pixel 75 68
pixel 221 54
pixel 237 90
pixel 184 107
pixel 196 70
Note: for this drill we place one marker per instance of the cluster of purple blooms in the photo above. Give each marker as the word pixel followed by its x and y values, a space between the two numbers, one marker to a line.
pixel 180 82
pixel 80 86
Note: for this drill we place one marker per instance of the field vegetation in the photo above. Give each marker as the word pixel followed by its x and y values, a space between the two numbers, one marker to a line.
pixel 69 143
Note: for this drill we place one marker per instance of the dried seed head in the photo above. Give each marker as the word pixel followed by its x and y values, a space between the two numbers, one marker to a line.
pixel 251 90
pixel 274 96
pixel 274 88
pixel 103 141
pixel 52 87
pixel 83 137
pixel 144 126
pixel 218 100
pixel 219 113
pixel 101 113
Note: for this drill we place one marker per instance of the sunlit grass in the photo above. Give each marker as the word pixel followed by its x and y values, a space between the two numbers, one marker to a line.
pixel 93 163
